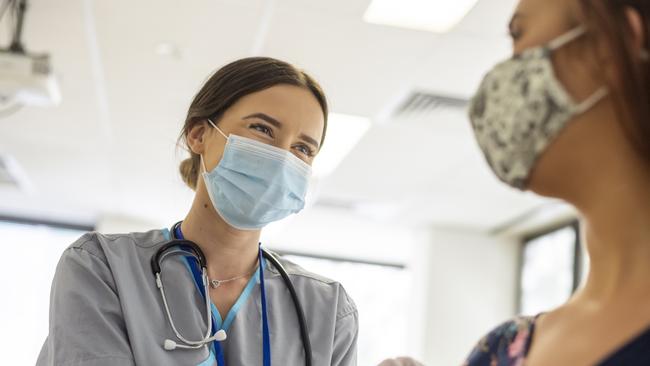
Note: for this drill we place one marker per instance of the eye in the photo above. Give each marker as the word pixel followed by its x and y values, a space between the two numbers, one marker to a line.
pixel 304 149
pixel 515 34
pixel 263 129
pixel 514 30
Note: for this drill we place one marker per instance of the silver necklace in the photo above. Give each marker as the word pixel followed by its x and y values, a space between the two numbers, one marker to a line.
pixel 216 283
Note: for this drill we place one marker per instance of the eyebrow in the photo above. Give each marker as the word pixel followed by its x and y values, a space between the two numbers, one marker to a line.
pixel 278 124
pixel 266 118
pixel 310 140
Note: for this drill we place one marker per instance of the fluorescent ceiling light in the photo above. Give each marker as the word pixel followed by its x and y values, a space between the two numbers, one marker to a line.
pixel 429 15
pixel 343 133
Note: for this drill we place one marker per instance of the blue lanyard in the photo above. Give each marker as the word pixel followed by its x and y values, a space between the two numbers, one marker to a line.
pixel 266 338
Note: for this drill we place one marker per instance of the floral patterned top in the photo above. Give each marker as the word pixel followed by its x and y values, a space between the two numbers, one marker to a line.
pixel 509 343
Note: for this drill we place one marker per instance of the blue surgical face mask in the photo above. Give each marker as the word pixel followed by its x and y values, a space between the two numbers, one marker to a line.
pixel 255 184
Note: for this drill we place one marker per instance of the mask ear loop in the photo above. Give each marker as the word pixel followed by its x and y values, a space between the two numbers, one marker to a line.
pixel 203 164
pixel 217 128
pixel 567 37
pixel 205 170
pixel 560 42
pixel 588 103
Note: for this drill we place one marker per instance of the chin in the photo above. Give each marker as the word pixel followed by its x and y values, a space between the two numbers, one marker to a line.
pixel 548 184
pixel 542 190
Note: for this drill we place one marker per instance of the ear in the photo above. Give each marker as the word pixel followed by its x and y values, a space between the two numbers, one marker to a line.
pixel 636 23
pixel 196 137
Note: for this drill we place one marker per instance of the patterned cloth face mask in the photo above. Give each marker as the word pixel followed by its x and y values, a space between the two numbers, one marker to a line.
pixel 521 107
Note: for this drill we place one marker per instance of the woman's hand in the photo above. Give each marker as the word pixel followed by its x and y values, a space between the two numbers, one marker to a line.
pixel 400 361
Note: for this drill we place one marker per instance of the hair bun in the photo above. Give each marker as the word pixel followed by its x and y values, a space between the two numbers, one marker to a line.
pixel 189 172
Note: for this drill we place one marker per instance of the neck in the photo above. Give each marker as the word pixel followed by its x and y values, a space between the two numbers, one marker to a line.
pixel 617 228
pixel 229 252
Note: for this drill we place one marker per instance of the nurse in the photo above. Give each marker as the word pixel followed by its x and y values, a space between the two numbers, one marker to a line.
pixel 252 131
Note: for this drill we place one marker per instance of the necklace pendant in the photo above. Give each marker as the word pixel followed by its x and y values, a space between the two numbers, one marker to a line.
pixel 215 283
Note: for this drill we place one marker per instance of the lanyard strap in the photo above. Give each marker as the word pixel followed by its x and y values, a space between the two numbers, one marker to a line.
pixel 266 337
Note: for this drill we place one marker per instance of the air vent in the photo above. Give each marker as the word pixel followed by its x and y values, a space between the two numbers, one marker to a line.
pixel 420 104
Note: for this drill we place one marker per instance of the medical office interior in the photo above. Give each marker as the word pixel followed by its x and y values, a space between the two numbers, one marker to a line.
pixel 402 209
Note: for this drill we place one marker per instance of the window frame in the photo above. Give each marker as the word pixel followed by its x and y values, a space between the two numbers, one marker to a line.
pixel 44 222
pixel 339 259
pixel 577 255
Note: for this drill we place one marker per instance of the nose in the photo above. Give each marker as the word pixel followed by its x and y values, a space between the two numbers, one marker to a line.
pixel 283 142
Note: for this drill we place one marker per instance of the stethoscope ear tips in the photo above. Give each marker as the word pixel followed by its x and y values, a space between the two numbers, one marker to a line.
pixel 169 345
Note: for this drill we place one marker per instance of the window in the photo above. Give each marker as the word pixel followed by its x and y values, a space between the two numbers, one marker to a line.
pixel 32 251
pixel 381 293
pixel 550 271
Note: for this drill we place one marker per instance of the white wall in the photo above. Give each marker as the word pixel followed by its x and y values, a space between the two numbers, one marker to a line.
pixel 472 289
pixel 116 224
pixel 345 233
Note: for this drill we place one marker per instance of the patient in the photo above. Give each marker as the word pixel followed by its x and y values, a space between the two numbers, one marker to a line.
pixel 569 117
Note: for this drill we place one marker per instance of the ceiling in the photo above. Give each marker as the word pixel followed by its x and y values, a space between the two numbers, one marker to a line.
pixel 109 148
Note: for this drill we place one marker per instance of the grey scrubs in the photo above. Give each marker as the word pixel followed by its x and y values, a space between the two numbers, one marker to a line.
pixel 105 309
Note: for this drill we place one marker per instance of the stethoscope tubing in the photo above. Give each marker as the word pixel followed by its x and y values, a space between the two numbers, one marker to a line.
pixel 194 249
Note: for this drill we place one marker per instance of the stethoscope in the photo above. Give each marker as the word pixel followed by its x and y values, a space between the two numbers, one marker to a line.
pixel 179 246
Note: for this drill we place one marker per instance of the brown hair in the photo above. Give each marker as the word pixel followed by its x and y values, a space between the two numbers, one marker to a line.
pixel 632 91
pixel 232 82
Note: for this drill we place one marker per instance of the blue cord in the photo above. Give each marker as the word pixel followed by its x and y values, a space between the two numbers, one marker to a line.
pixel 266 339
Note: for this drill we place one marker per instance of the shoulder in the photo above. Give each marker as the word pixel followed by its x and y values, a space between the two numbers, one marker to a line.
pixel 95 242
pixel 98 244
pixel 319 287
pixel 504 345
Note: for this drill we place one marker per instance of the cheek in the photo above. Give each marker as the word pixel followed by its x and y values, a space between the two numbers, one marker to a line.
pixel 577 73
pixel 566 159
pixel 213 154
